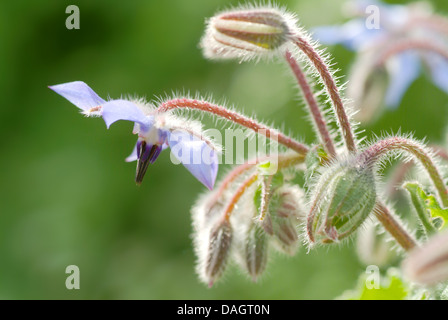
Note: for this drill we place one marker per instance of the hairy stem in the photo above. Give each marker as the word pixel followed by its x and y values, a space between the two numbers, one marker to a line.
pixel 318 118
pixel 265 196
pixel 236 118
pixel 332 90
pixel 371 155
pixel 395 229
pixel 284 161
pixel 239 193
pixel 399 173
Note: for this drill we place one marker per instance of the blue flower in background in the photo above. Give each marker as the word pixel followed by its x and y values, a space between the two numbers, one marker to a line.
pixel 156 131
pixel 407 38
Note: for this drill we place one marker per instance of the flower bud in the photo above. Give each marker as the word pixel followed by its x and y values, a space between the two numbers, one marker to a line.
pixel 219 244
pixel 289 202
pixel 246 33
pixel 285 215
pixel 428 265
pixel 286 235
pixel 256 251
pixel 344 195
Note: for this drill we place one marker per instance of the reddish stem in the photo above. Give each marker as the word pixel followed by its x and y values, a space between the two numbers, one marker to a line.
pixel 283 161
pixel 394 227
pixel 404 45
pixel 332 90
pixel 435 22
pixel 236 118
pixel 377 150
pixel 312 104
pixel 403 168
pixel 238 194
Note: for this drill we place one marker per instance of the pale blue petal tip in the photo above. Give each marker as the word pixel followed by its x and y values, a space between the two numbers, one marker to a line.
pixel 78 93
pixel 196 156
pixel 406 68
pixel 438 66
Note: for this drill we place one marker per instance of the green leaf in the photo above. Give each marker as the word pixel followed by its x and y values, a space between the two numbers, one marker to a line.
pixel 277 181
pixel 315 158
pixel 257 197
pixel 391 287
pixel 427 207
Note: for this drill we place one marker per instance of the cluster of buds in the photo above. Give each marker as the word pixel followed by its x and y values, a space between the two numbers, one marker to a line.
pixel 244 220
pixel 341 188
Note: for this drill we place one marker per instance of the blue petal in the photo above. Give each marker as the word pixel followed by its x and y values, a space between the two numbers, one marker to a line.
pixel 196 155
pixel 354 34
pixel 405 68
pixel 115 110
pixel 390 15
pixel 438 66
pixel 78 93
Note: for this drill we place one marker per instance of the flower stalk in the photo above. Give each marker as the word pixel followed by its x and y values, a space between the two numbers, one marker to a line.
pixel 396 230
pixel 332 90
pixel 308 94
pixel 382 147
pixel 235 118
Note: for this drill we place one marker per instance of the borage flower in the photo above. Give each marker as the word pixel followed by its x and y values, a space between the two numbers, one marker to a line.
pixel 406 38
pixel 156 131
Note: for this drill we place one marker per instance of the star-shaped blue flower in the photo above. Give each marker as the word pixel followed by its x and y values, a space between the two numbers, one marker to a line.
pixel 155 132
pixel 397 24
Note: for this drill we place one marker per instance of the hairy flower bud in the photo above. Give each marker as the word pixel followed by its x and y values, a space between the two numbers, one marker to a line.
pixel 428 265
pixel 285 232
pixel 246 33
pixel 256 251
pixel 289 202
pixel 285 215
pixel 218 251
pixel 344 195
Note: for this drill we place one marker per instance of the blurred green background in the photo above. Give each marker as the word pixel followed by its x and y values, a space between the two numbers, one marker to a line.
pixel 66 194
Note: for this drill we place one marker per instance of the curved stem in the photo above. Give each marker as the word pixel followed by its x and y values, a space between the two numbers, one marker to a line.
pixel 434 22
pixel 399 173
pixel 238 194
pixel 236 118
pixel 372 154
pixel 318 118
pixel 332 90
pixel 396 230
pixel 283 161
pixel 404 45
